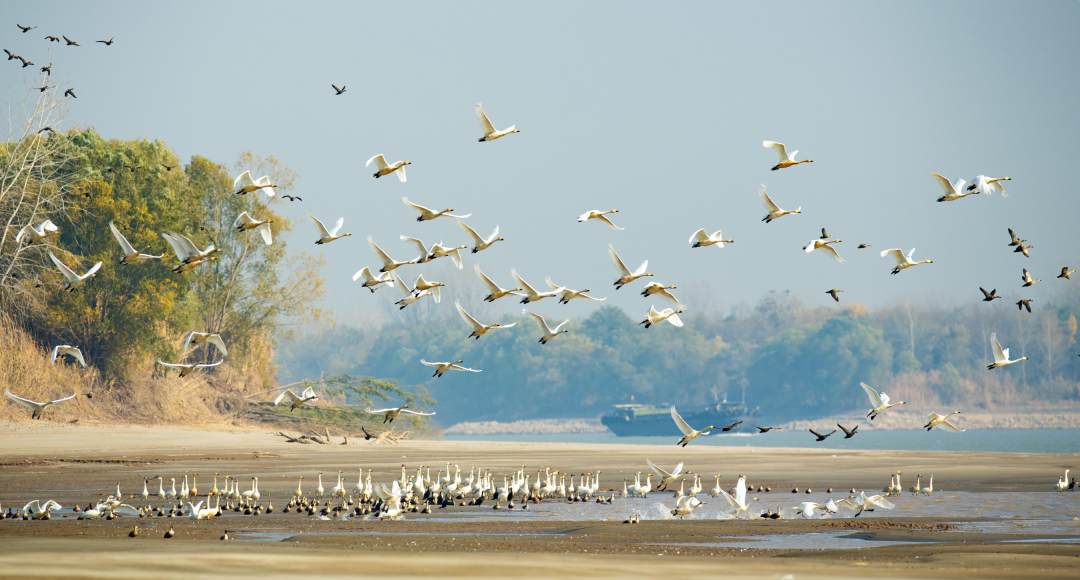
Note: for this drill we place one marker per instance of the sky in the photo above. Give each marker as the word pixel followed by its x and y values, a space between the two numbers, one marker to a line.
pixel 656 109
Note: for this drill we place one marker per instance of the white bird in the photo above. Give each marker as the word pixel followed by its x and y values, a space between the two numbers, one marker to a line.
pixel 74 280
pixel 903 261
pixel 689 434
pixel 442 367
pixel 425 255
pixel 200 337
pixel 863 502
pixel 390 414
pixel 666 478
pixel 38 510
pixel 738 502
pixel 130 253
pixel 715 492
pixel 953 191
pixel 1001 356
pixel 496 291
pixel 702 240
pixel 430 214
pixel 420 285
pixel 667 314
pixel 478 329
pixel 774 210
pixel 408 295
pixel 490 134
pixel 549 333
pixel 824 245
pixel 879 402
pixel 566 295
pixel 599 216
pixel 37 408
pixel 989 185
pixel 295 401
pixel 187 369
pixel 625 275
pixel 480 244
pixel 325 236
pixel 658 289
pixel 245 222
pixel 786 159
pixel 935 420
pixel 388 264
pixel 531 295
pixel 33 235
pixel 248 185
pixel 807 508
pixel 685 506
pixel 391 500
pixel 370 281
pixel 67 350
pixel 386 168
pixel 185 249
pixel 1062 484
pixel 440 251
pixel 339 489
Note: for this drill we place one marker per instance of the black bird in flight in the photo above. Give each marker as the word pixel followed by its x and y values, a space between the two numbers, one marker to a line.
pixel 106 42
pixel 848 434
pixel 339 91
pixel 47 69
pixel 10 55
pixel 25 29
pixel 765 429
pixel 70 93
pixel 69 41
pixel 292 198
pixel 44 88
pixel 52 39
pixel 821 437
pixel 1024 304
pixel 167 167
pixel 49 129
pixel 26 63
pixel 731 426
pixel 989 296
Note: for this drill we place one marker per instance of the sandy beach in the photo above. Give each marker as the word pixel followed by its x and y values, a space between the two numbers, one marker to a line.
pixel 89 461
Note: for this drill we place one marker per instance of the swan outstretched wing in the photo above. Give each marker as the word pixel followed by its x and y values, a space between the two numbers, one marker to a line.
pixel 521 282
pixel 734 503
pixel 172 365
pixel 832 252
pixel 379 160
pixel 623 270
pixel 670 298
pixel 945 184
pixel 999 354
pixel 682 425
pixel 411 412
pixel 875 399
pixel 465 315
pixel 544 328
pixel 267 235
pixel 419 245
pixel 318 224
pixel 767 201
pixel 424 362
pixel 203 366
pixel 364 272
pixel 217 342
pixel 71 276
pixel 423 210
pixel 32 405
pixel 610 224
pixel 781 151
pixel 675 320
pixel 485 123
pixel 379 252
pixel 244 218
pixel 406 291
pixel 662 473
pixel 477 240
pixel 287 394
pixel 946 425
pixel 897 255
pixel 699 236
pixel 243 180
pixel 177 246
pixel 124 245
pixel 493 287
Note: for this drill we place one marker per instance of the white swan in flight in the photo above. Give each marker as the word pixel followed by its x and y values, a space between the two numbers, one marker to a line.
pixel 37 408
pixel 989 185
pixel 442 367
pixel 625 275
pixel 370 281
pixel 481 244
pixel 689 434
pixel 67 350
pixel 666 478
pixel 807 508
pixel 427 214
pixel 658 289
pixel 295 400
pixel 785 159
pixel 1001 356
pixel 421 284
pixel 248 185
pixel 187 369
pixel 388 263
pixel 478 329
pixel 188 266
pixel 738 502
pixel 200 337
pixel 496 292
pixel 386 168
pixel 774 210
pixel 245 222
pixel 953 191
pixel 531 295
pixel 903 261
pixel 599 216
pixel 325 237
pixel 880 402
pixel 490 134
pixel 425 255
pixel 935 420
pixel 824 245
pixel 130 253
pixel 33 235
pixel 390 414
pixel 440 251
pixel 686 505
pixel 548 332
pixel 186 250
pixel 566 295
pixel 391 500
pixel 863 502
pixel 74 280
pixel 700 239
pixel 667 314
pixel 408 294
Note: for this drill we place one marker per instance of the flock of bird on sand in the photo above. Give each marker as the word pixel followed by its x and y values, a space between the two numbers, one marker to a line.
pixel 388 500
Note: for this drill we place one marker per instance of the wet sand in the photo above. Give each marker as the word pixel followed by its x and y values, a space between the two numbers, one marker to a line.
pixel 93 459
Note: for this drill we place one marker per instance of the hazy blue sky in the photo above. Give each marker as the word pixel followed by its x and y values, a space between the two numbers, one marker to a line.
pixel 657 109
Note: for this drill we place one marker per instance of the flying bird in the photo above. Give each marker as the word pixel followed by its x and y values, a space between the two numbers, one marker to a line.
pixel 1023 250
pixel 1065 273
pixel 295 400
pixel 167 167
pixel 625 275
pixel 774 210
pixel 531 295
pixel 25 29
pixel 835 293
pixel 689 434
pixel 935 420
pixel 478 329
pixel 209 337
pixel 880 401
pixel 566 294
pixel 245 222
pixel 821 437
pixel 187 369
pixel 1001 356
pixel 442 367
pixel 408 295
pixel 1014 239
pixel 388 263
pixel 37 408
pixel 480 244
pixel 25 63
pixel 848 433
pixel 953 191
pixel 903 261
pixel 74 280
pixel 766 429
pixel 825 246
pixel 730 427
pixel 1028 281
pixel 338 91
pixel 63 350
pixel 385 168
pixel 989 184
pixel 106 42
pixel 70 93
pixel 292 198
pixel 371 281
pixel 666 478
pixel 701 240
pixel 496 291
pixel 47 69
pixel 989 296
pixel 429 214
pixel 861 246
pixel 786 159
pixel 69 41
pixel 599 216
pixel 34 235
pixel 667 314
pixel 11 55
pixel 325 237
pixel 657 289
pixel 52 39
pixel 130 253
pixel 390 414
pixel 490 134
pixel 1024 304
pixel 248 185
pixel 548 332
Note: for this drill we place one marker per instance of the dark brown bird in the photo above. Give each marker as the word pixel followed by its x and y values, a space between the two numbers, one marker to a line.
pixel 168 167
pixel 134 533
pixel 110 170
pixel 43 89
pixel 339 91
pixel 824 234
pixel 133 168
pixel 11 55
pixel 835 292
pixel 25 63
pixel 821 437
pixel 170 533
pixel 291 198
pixel 25 29
pixel 848 434
pixel 52 39
pixel 1065 272
pixel 1024 304
pixel 1023 250
pixel 367 436
pixel 1016 241
pixel 49 129
pixel 106 42
pixel 766 429
pixel 69 41
pixel 861 246
pixel 70 93
pixel 731 426
pixel 989 296
pixel 47 69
